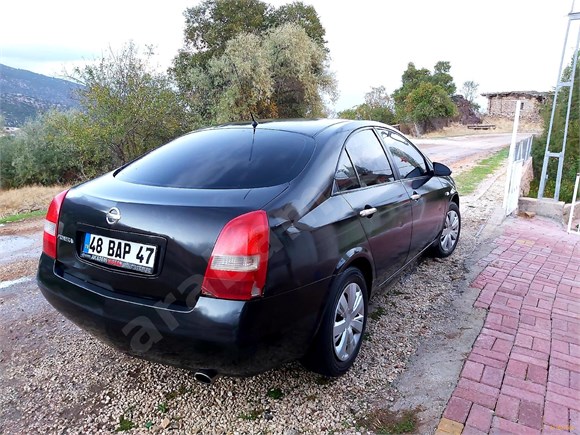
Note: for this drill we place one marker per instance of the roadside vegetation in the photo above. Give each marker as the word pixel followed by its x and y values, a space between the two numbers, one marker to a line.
pixel 468 180
pixel 26 202
pixel 236 63
pixel 128 108
pixel 572 155
pixel 384 421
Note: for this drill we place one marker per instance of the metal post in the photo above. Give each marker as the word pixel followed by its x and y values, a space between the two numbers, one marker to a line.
pixel 570 95
pixel 511 156
pixel 573 205
pixel 558 79
pixel 572 16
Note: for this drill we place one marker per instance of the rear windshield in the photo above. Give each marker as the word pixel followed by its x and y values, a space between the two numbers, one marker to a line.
pixel 233 158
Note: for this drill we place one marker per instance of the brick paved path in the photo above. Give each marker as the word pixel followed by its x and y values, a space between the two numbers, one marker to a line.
pixel 523 373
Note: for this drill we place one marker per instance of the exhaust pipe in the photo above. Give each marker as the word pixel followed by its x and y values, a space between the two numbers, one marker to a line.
pixel 205 376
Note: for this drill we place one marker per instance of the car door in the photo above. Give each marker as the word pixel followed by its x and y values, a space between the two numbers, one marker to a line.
pixel 365 177
pixel 429 202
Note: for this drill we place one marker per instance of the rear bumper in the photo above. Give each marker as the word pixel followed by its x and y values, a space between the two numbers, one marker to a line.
pixel 232 337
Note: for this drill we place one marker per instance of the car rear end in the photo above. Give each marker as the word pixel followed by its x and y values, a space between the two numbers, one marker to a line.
pixel 167 259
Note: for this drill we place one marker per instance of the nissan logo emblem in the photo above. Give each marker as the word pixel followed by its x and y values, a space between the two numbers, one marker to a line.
pixel 113 216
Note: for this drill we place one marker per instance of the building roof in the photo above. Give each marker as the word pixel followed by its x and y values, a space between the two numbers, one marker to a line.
pixel 529 94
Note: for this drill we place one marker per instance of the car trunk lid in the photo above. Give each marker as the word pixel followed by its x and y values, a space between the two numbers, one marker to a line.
pixel 155 242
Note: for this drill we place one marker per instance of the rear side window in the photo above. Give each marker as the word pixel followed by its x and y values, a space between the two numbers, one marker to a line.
pixel 233 158
pixel 369 158
pixel 406 157
pixel 345 176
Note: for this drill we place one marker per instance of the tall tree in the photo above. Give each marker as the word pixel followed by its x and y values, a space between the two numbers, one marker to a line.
pixel 128 107
pixel 283 75
pixel 378 106
pixel 469 90
pixel 213 24
pixel 425 96
pixel 442 77
pixel 303 15
pixel 426 103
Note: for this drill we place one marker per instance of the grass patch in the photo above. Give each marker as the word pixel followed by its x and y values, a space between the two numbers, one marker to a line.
pixel 468 181
pixel 22 216
pixel 383 421
pixel 171 395
pixel 275 393
pixel 162 407
pixel 323 380
pixel 251 415
pixel 377 314
pixel 124 424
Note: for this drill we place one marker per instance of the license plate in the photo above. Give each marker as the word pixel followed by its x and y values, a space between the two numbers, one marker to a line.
pixel 119 253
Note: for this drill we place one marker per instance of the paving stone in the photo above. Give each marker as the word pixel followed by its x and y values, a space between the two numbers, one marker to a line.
pixel 523 373
pixel 507 407
pixel 479 418
pixel 530 414
pixel 555 415
pixel 457 409
pixel 472 370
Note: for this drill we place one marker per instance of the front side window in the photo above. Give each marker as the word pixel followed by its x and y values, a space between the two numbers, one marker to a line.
pixel 369 159
pixel 406 157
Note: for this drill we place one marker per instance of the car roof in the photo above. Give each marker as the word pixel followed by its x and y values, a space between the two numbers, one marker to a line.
pixel 309 127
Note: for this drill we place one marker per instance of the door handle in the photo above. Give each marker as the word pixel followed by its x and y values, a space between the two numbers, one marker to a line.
pixel 415 196
pixel 367 212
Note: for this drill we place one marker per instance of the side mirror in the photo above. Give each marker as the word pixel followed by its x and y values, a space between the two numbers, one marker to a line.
pixel 441 170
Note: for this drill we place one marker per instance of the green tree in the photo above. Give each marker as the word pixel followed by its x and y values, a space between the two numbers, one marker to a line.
pixel 43 152
pixel 208 28
pixel 212 25
pixel 442 77
pixel 424 96
pixel 572 155
pixel 426 103
pixel 378 106
pixel 128 108
pixel 284 75
pixel 303 15
pixel 411 79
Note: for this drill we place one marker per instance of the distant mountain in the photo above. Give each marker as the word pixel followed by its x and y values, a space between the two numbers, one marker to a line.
pixel 24 94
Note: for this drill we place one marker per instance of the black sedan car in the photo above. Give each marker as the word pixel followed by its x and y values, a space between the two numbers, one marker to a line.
pixel 233 249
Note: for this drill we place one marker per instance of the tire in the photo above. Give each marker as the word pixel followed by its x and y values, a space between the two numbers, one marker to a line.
pixel 447 239
pixel 347 305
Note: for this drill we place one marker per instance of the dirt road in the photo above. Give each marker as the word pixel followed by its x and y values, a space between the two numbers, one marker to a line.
pixel 461 152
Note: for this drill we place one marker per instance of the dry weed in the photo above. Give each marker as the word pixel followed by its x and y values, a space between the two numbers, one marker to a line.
pixel 27 199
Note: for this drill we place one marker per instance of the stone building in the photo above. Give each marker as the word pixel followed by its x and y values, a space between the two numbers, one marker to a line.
pixel 503 104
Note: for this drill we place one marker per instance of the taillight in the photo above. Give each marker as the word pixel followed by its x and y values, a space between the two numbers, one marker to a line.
pixel 237 266
pixel 51 225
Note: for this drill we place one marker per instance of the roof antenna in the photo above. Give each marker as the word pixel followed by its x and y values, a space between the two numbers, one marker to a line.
pixel 254 122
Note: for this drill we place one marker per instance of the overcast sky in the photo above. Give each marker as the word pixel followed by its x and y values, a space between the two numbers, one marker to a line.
pixel 500 44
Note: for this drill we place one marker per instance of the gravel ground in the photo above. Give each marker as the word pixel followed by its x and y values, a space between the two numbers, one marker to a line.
pixel 54 378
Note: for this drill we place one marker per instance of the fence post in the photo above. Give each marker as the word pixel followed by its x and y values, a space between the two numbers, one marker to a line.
pixel 511 159
pixel 573 205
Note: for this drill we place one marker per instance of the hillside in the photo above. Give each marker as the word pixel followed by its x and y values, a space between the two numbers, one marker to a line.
pixel 24 94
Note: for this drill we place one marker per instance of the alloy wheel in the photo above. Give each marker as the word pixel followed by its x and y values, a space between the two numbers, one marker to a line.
pixel 348 321
pixel 450 231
